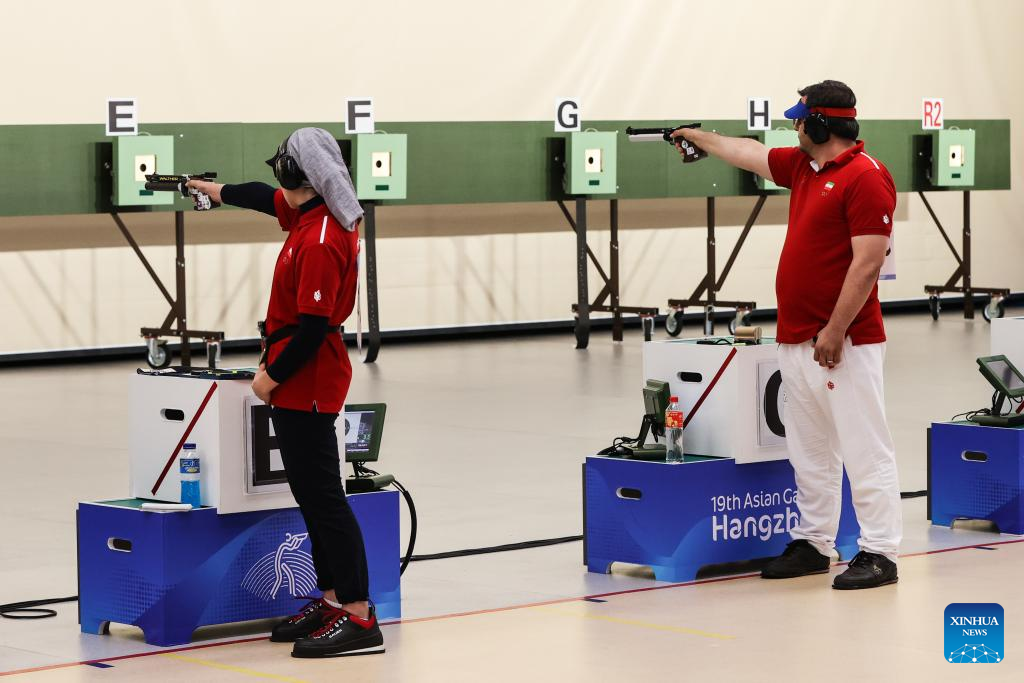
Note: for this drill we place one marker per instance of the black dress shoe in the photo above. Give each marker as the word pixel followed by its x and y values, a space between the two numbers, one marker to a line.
pixel 867 570
pixel 301 625
pixel 799 559
pixel 342 635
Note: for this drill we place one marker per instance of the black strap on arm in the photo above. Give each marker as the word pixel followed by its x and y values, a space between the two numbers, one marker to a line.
pixel 255 196
pixel 305 340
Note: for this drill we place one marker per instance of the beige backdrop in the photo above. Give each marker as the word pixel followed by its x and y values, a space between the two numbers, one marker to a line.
pixel 69 281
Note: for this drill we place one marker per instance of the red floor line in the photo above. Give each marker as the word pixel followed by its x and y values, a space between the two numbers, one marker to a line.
pixel 963 547
pixel 494 610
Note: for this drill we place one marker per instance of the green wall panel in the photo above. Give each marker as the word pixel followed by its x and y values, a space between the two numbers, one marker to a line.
pixel 60 169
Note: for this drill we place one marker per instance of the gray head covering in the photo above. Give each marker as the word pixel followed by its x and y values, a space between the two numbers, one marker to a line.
pixel 317 153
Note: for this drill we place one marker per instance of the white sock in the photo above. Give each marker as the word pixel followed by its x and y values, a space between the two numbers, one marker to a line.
pixel 333 604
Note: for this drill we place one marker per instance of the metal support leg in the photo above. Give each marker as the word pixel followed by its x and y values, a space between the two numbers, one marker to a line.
pixel 373 337
pixel 582 297
pixel 179 277
pixel 709 309
pixel 968 291
pixel 614 284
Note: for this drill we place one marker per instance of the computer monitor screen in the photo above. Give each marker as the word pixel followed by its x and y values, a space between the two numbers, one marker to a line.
pixel 363 426
pixel 1002 374
pixel 656 398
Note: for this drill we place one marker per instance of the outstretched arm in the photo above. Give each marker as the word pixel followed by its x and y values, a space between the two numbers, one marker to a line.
pixel 255 196
pixel 744 153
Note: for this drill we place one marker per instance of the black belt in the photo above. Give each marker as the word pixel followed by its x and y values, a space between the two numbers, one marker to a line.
pixel 280 334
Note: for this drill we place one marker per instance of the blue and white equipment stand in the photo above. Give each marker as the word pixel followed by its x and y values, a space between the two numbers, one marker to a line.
pixel 171 572
pixel 680 518
pixel 976 472
pixel 734 500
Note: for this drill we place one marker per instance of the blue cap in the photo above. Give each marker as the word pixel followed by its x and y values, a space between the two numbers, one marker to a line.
pixel 189 447
pixel 797 112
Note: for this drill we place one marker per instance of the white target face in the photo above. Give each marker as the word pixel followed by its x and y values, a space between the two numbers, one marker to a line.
pixel 380 164
pixel 145 164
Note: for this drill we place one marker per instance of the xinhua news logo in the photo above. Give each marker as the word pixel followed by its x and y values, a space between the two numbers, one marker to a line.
pixel 974 633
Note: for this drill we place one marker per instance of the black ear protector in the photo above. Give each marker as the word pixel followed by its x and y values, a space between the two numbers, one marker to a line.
pixel 286 169
pixel 816 123
pixel 816 127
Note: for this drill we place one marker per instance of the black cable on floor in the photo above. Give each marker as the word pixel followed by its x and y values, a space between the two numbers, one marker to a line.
pixel 412 526
pixel 497 548
pixel 30 608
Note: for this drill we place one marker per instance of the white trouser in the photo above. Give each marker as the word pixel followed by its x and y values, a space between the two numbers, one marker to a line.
pixel 835 418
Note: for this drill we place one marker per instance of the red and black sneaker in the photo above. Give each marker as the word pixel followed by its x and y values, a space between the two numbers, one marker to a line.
pixel 343 634
pixel 302 624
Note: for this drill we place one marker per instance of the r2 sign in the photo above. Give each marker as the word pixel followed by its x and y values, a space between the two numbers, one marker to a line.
pixel 931 113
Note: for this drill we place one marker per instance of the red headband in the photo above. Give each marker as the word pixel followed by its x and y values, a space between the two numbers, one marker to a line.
pixel 842 113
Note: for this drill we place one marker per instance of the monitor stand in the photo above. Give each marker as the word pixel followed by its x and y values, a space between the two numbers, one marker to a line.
pixel 643 451
pixel 366 481
pixel 996 418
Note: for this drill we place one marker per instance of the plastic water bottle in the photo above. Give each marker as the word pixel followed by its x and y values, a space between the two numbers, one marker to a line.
pixel 674 431
pixel 189 463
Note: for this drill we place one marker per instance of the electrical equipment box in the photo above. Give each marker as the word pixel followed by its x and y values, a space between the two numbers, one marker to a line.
pixel 952 157
pixel 135 157
pixel 590 163
pixel 380 167
pixel 771 140
pixel 745 414
pixel 240 462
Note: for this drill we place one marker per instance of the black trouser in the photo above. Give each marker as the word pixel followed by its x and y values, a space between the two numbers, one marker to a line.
pixel 309 449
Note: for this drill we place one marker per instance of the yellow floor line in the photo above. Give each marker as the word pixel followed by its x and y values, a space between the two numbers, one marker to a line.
pixel 640 624
pixel 235 669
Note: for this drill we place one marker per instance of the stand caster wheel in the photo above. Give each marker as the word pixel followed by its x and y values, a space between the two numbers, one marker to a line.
pixel 157 355
pixel 995 309
pixel 935 306
pixel 674 323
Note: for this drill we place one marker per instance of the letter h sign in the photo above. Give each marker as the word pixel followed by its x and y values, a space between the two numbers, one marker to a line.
pixel 759 114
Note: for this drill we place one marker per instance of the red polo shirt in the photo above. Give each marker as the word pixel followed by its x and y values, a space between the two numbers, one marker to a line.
pixel 849 196
pixel 315 274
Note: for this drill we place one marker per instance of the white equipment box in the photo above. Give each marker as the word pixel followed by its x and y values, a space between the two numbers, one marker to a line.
pixel 732 396
pixel 1008 340
pixel 241 468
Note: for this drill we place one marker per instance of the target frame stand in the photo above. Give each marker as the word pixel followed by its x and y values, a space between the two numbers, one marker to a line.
pixel 712 284
pixel 589 168
pixel 158 355
pixel 381 174
pixel 135 156
pixel 995 307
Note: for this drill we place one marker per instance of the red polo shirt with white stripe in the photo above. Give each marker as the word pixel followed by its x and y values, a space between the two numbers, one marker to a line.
pixel 850 195
pixel 316 275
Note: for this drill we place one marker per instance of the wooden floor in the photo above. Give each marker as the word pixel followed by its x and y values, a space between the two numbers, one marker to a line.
pixel 489 437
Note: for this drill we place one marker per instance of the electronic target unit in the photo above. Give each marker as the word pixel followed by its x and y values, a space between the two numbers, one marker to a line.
pixel 590 163
pixel 953 162
pixel 135 157
pixel 380 166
